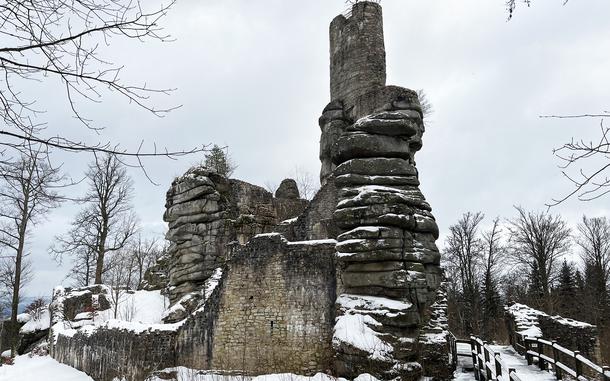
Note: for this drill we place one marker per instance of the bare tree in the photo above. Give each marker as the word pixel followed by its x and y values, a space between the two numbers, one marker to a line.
pixel 493 254
pixel 144 253
pixel 271 186
pixel 511 5
pixel 27 194
pixel 36 308
pixel 307 184
pixel 118 277
pixel 585 164
pixel 53 41
pixel 594 241
pixel 464 253
pixel 537 241
pixel 426 105
pixel 106 223
pixel 82 272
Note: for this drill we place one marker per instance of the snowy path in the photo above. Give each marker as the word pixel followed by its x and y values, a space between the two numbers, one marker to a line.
pixel 510 358
pixel 39 368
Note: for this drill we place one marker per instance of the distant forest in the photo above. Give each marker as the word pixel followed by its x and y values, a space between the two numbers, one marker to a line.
pixel 534 259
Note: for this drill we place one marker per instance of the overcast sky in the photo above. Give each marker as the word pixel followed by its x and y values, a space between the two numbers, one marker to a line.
pixel 253 75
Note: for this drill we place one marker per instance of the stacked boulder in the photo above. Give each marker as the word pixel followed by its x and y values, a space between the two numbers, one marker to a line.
pixel 387 250
pixel 196 215
pixel 208 215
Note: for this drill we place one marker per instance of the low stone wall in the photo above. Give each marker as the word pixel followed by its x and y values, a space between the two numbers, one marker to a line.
pixel 276 311
pixel 523 321
pixel 571 334
pixel 109 353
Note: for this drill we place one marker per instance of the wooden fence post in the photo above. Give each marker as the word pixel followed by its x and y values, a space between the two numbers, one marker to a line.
pixel 577 364
pixel 556 359
pixel 526 344
pixel 474 356
pixel 541 362
pixel 498 365
pixel 488 375
pixel 480 361
pixel 510 373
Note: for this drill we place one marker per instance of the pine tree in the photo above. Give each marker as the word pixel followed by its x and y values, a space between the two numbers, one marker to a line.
pixel 566 291
pixel 219 161
pixel 535 292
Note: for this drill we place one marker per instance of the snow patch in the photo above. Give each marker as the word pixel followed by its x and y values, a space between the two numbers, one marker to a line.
pixel 355 330
pixel 37 323
pixel 38 368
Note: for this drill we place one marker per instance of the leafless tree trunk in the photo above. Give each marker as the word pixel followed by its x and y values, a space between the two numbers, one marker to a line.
pixel 493 254
pixel 464 252
pixel 594 241
pixel 306 183
pixel 118 277
pixel 537 241
pixel 144 253
pixel 107 223
pixel 27 193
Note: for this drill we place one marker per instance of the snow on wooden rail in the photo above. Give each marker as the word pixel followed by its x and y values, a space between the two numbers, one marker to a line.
pixel 553 357
pixel 488 364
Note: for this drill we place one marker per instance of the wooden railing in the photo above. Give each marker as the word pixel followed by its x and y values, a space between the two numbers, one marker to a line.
pixel 553 357
pixel 488 364
pixel 453 342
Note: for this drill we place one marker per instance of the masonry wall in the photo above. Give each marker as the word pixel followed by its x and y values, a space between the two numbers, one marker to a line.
pixel 357 52
pixel 571 334
pixel 276 311
pixel 522 321
pixel 316 222
pixel 194 341
pixel 110 353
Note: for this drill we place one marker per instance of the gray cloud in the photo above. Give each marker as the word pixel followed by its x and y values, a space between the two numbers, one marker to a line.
pixel 254 76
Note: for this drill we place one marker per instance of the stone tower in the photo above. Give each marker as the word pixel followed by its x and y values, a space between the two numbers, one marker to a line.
pixel 357 53
pixel 388 274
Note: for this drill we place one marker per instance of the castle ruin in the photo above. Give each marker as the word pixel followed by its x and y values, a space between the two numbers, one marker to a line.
pixel 347 283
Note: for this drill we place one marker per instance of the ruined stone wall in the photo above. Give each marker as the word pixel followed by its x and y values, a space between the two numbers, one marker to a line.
pixel 195 337
pixel 357 52
pixel 571 334
pixel 205 213
pixel 276 308
pixel 523 321
pixel 317 222
pixel 109 353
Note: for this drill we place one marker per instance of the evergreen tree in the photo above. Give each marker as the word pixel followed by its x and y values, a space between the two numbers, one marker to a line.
pixel 566 291
pixel 219 161
pixel 535 292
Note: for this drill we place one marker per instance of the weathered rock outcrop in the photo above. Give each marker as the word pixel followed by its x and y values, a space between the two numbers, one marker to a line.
pixel 205 213
pixel 387 251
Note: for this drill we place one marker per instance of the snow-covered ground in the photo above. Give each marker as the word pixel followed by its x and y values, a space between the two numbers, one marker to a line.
pixel 137 311
pixel 38 368
pixel 185 374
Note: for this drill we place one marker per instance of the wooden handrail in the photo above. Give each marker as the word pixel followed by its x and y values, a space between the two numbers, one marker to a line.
pixel 574 370
pixel 488 365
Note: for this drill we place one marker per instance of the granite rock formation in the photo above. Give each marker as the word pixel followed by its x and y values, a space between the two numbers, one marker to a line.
pixel 206 212
pixel 386 249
